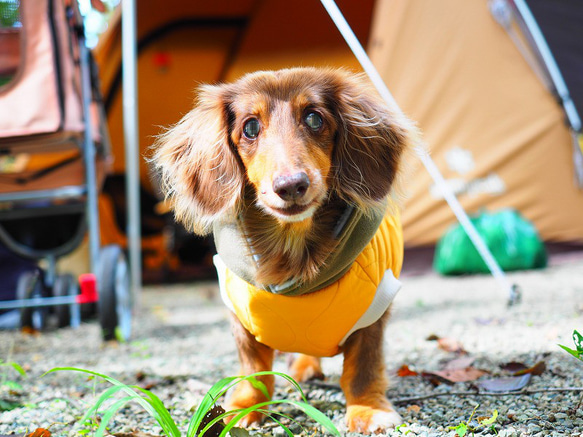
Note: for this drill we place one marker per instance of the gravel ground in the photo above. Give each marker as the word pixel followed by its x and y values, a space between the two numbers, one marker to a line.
pixel 182 344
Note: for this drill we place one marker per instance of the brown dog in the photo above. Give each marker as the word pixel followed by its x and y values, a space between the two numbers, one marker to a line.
pixel 292 170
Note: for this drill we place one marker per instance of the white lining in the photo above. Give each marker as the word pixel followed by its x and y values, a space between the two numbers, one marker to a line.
pixel 222 274
pixel 386 292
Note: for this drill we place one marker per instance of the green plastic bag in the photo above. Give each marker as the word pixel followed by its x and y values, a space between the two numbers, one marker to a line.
pixel 513 241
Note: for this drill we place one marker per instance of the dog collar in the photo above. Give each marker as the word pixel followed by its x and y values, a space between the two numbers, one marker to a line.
pixel 354 230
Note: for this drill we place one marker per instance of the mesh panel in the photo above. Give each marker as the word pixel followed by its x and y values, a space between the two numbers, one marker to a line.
pixel 9 13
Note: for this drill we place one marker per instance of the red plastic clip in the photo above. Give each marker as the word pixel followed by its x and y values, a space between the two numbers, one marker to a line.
pixel 88 286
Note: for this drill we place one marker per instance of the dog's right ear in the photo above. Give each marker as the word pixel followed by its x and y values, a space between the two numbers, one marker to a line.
pixel 200 175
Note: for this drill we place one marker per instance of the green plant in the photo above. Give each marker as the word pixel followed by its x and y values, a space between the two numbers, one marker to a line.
pixel 464 427
pixel 577 353
pixel 9 383
pixel 200 423
pixel 9 13
pixel 578 340
pixel 4 381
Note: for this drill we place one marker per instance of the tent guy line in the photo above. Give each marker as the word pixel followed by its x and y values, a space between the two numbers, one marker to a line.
pixel 421 151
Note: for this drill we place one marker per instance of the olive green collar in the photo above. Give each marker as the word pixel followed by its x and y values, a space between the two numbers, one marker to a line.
pixel 354 230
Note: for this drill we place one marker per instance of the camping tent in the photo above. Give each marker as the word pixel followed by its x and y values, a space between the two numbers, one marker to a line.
pixel 496 132
pixel 494 129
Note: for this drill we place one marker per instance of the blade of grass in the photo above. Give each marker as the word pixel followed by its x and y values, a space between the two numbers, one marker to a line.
pixel 109 413
pixel 288 378
pixel 577 354
pixel 159 406
pixel 218 390
pixel 207 402
pixel 18 368
pixel 242 413
pixel 106 395
pixel 161 415
pixel 317 415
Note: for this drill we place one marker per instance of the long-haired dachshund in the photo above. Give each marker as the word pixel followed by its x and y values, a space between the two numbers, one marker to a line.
pixel 294 172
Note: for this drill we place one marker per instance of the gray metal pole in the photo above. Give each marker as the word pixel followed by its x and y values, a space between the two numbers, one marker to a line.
pixel 551 64
pixel 131 141
pixel 89 157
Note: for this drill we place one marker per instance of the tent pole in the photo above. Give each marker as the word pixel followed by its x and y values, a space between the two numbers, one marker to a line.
pixel 422 153
pixel 550 64
pixel 130 127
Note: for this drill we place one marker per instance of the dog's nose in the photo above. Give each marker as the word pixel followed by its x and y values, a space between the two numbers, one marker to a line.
pixel 291 187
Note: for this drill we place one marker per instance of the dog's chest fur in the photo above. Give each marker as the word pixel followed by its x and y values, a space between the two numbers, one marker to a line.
pixel 295 251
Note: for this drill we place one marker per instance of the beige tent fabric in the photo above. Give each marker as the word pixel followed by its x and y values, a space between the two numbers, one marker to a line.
pixel 30 103
pixel 495 132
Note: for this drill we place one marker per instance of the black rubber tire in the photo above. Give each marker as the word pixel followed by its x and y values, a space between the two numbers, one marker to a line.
pixel 115 302
pixel 30 285
pixel 64 286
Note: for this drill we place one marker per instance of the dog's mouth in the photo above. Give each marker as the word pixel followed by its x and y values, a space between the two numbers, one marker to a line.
pixel 294 213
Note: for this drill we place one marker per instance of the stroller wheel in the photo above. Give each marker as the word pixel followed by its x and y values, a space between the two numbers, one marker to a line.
pixel 115 302
pixel 65 286
pixel 30 285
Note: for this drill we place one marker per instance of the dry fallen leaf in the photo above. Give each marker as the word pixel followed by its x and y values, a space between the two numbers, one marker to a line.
pixel 29 330
pixel 461 375
pixel 40 432
pixel 536 370
pixel 517 368
pixel 459 363
pixel 414 408
pixel 404 370
pixel 512 383
pixel 436 379
pixel 448 344
pixel 215 430
pixel 513 366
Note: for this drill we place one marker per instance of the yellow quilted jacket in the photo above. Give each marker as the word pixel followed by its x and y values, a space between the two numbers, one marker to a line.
pixel 318 323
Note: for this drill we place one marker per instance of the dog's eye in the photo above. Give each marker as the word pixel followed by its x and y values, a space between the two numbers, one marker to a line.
pixel 251 128
pixel 314 120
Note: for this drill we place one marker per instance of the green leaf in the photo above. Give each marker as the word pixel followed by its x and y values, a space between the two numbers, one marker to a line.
pixel 207 402
pixel 490 420
pixel 105 396
pixel 109 413
pixel 9 405
pixel 461 430
pixel 18 368
pixel 317 415
pixel 577 354
pixel 239 414
pixel 12 385
pixel 280 423
pixel 150 403
pixel 578 340
pixel 403 428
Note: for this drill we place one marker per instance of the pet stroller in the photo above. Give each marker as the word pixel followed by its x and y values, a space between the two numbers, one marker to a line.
pixel 54 155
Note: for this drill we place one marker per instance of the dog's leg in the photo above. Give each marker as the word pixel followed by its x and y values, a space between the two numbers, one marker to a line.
pixel 254 357
pixel 306 367
pixel 364 381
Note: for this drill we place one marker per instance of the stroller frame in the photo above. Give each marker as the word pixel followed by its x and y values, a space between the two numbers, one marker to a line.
pixel 108 284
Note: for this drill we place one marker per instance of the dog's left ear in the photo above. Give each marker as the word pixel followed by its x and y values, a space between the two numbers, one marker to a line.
pixel 370 142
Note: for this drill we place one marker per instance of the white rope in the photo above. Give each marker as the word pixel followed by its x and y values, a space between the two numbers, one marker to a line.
pixel 421 151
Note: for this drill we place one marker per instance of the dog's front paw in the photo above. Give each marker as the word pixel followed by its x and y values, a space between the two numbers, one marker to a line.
pixel 250 420
pixel 368 420
pixel 244 396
